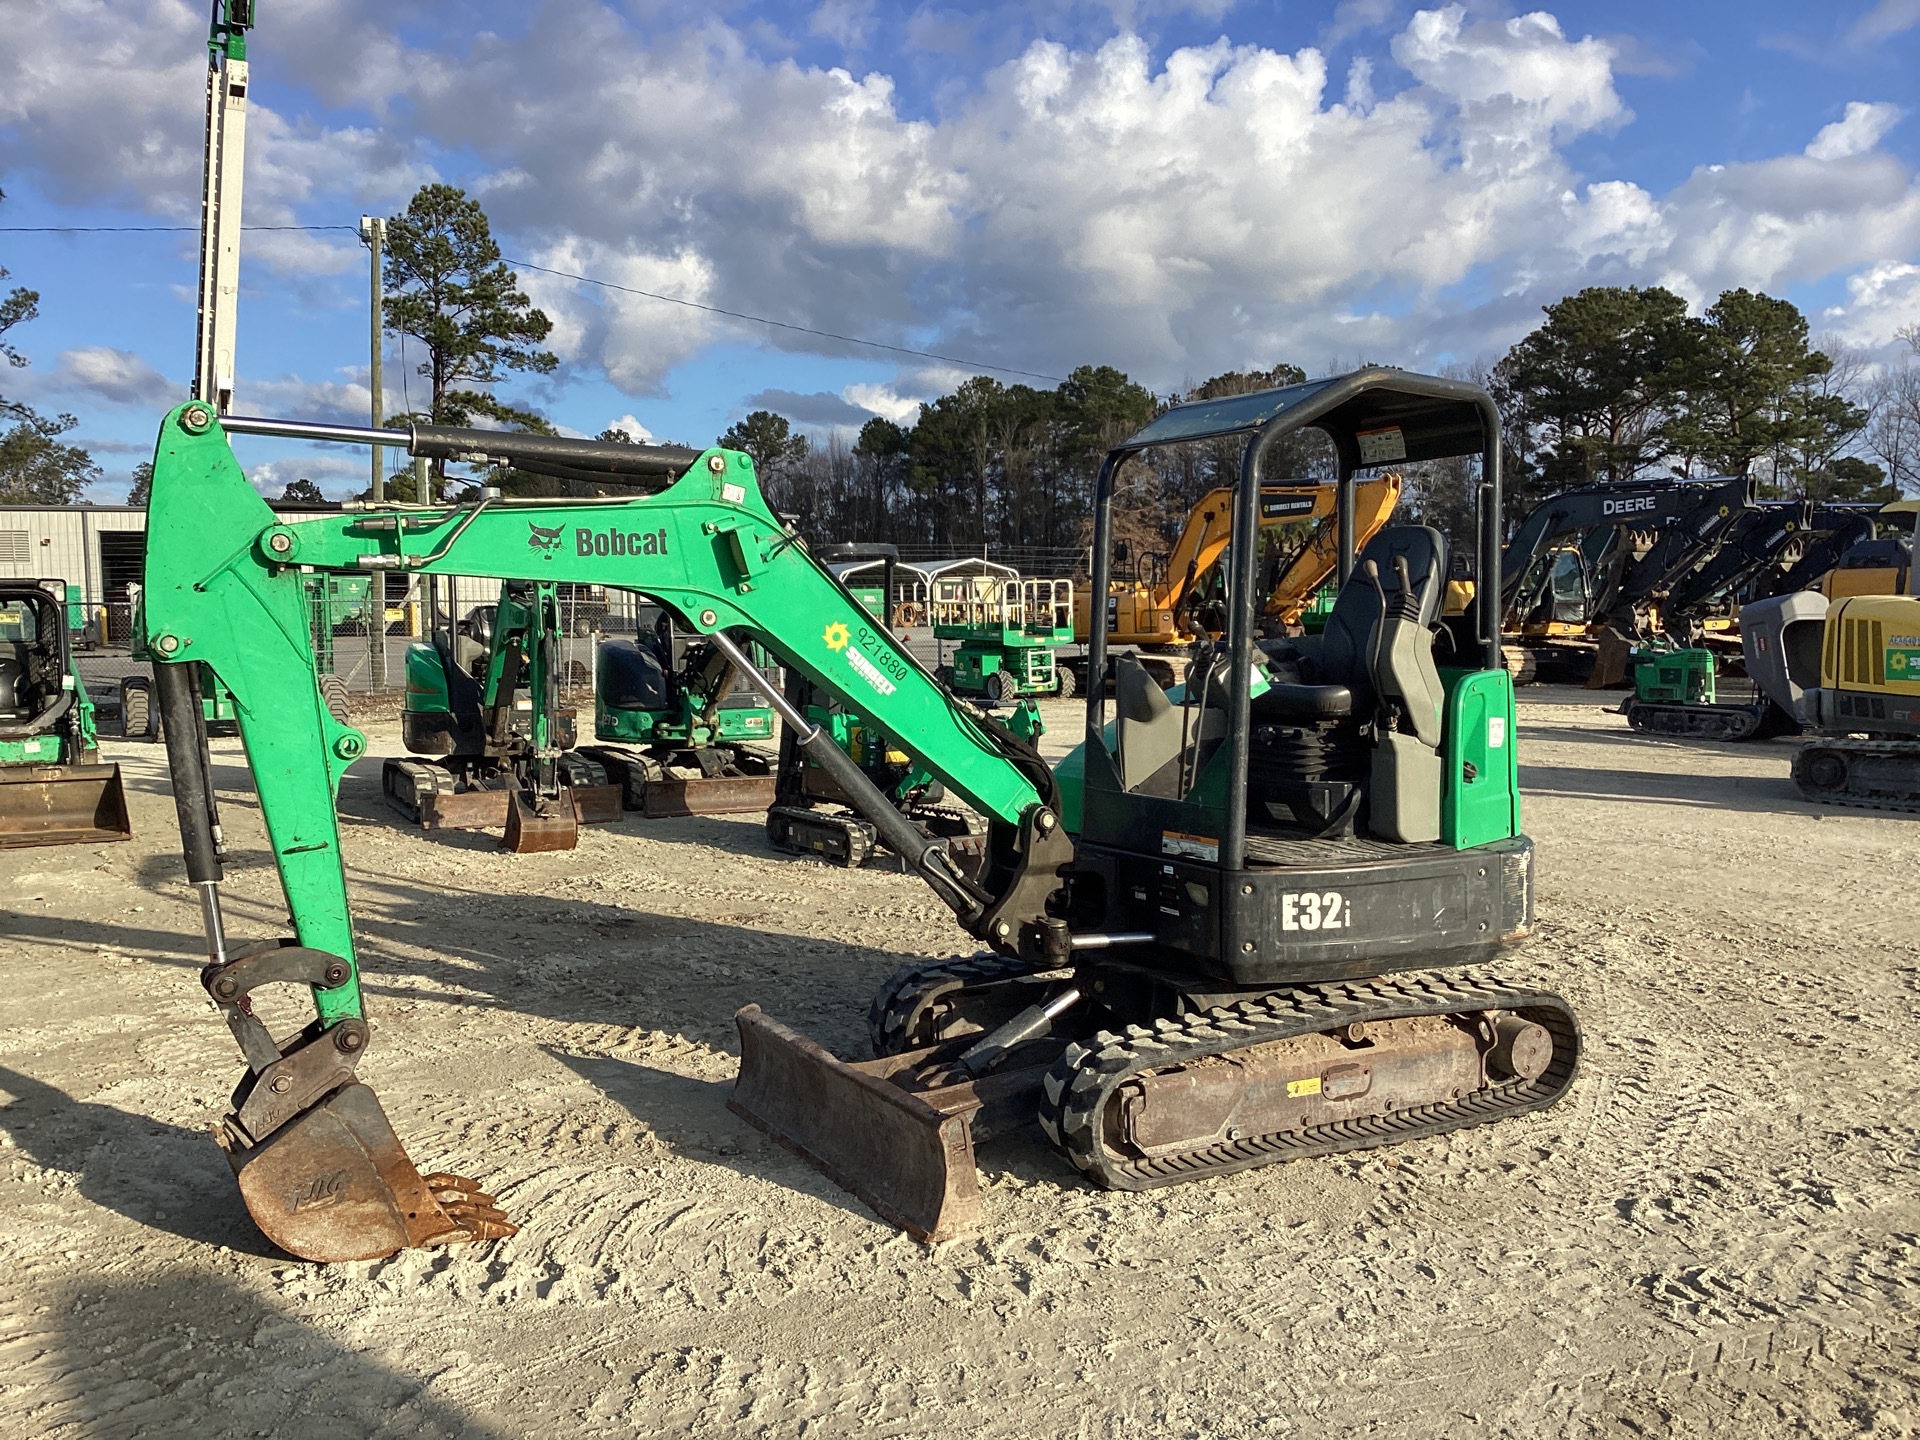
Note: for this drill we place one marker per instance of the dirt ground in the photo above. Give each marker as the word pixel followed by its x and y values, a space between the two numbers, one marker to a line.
pixel 1716 1234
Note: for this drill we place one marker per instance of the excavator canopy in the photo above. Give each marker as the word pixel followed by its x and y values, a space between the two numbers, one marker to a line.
pixel 1372 419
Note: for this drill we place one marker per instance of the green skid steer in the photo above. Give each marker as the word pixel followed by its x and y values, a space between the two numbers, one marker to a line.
pixel 53 788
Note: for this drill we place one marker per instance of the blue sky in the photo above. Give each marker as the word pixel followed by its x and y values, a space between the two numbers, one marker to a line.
pixel 1177 187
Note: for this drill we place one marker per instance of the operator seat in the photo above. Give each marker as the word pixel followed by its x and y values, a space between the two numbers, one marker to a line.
pixel 15 704
pixel 1363 721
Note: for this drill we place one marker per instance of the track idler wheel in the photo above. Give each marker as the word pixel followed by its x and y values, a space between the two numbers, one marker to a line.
pixel 1821 770
pixel 321 1170
pixel 923 1005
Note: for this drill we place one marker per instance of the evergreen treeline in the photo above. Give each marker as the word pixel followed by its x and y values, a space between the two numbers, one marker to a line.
pixel 1619 382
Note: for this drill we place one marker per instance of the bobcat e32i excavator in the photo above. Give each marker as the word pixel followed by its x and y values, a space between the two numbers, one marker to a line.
pixel 1200 982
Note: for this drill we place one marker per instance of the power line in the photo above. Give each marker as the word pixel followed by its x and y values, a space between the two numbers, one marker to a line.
pixel 783 325
pixel 584 280
pixel 145 229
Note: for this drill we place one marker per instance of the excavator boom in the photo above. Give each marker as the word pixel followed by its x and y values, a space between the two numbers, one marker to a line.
pixel 320 1168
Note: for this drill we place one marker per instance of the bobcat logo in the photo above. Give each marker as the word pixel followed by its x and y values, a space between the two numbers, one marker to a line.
pixel 544 539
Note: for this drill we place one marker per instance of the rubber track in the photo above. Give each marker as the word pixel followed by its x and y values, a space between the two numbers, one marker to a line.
pixel 1694 722
pixel 857 834
pixel 1906 802
pixel 1088 1077
pixel 911 989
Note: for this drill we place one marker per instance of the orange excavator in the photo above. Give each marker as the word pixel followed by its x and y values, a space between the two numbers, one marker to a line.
pixel 1159 611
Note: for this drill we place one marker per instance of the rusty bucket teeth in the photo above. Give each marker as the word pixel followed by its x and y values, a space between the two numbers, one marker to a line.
pixel 335 1184
pixel 910 1160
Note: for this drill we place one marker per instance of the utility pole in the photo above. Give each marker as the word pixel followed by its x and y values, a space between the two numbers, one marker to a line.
pixel 373 233
pixel 213 366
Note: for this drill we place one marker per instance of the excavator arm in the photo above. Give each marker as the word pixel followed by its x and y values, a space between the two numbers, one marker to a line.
pixel 1689 541
pixel 1647 504
pixel 319 1165
pixel 1757 539
pixel 1294 575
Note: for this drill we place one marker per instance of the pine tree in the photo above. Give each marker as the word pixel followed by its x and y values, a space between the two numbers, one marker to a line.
pixel 446 287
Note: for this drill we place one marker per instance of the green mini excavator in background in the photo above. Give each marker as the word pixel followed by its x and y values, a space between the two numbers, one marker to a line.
pixel 673 725
pixel 679 726
pixel 1255 950
pixel 496 745
pixel 811 813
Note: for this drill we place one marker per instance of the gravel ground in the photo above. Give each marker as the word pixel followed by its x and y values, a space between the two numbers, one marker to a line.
pixel 1715 1234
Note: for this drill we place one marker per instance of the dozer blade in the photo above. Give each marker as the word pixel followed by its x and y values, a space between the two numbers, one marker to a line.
pixel 62 805
pixel 908 1156
pixel 597 804
pixel 538 825
pixel 719 795
pixel 335 1184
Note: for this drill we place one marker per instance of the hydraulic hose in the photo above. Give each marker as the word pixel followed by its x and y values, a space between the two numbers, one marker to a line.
pixel 926 855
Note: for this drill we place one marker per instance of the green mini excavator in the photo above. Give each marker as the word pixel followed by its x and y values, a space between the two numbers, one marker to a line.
pixel 495 745
pixel 1260 946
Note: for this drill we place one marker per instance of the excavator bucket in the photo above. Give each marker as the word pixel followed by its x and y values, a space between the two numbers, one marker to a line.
pixel 61 805
pixel 336 1184
pixel 538 825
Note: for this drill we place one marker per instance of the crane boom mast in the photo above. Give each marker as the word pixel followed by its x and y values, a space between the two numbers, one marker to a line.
pixel 213 368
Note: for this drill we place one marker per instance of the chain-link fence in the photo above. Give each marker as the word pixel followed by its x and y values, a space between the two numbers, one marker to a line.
pixel 360 628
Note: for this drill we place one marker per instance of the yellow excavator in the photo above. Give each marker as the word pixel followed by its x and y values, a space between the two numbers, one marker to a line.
pixel 1155 612
pixel 1849 672
pixel 1878 561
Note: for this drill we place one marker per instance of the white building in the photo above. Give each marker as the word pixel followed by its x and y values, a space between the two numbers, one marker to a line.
pixel 100 548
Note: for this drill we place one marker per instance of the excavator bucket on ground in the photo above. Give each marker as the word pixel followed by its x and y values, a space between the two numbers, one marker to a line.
pixel 62 805
pixel 320 1168
pixel 536 825
pixel 336 1184
pixel 903 1145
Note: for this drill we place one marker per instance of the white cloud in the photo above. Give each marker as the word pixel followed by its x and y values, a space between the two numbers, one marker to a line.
pixel 1855 133
pixel 1887 19
pixel 1522 75
pixel 1354 17
pixel 105 102
pixel 635 338
pixel 339 474
pixel 1220 206
pixel 1881 301
pixel 346 401
pixel 884 401
pixel 631 428
pixel 118 377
